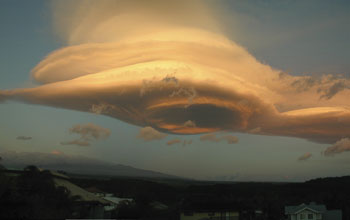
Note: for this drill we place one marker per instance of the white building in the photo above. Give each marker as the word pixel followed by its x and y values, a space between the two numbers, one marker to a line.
pixel 311 211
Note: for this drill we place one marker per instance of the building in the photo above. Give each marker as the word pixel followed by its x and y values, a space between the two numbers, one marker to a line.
pixel 88 205
pixel 114 201
pixel 311 211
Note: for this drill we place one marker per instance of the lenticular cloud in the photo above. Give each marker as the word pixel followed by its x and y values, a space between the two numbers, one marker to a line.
pixel 163 67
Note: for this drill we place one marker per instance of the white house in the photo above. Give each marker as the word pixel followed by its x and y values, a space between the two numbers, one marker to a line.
pixel 311 211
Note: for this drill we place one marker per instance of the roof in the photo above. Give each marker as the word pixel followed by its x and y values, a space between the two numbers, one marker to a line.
pixel 116 200
pixel 312 207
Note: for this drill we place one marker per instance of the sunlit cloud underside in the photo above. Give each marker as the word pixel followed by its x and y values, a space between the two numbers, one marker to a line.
pixel 167 74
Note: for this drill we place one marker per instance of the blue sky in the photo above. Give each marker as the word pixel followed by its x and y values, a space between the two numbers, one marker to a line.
pixel 298 37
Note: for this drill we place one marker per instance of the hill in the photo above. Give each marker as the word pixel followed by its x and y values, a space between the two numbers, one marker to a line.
pixel 75 164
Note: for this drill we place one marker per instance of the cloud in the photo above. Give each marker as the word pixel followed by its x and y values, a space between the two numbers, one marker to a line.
pixel 178 141
pixel 24 138
pixel 190 124
pixel 88 133
pixel 76 142
pixel 174 141
pixel 146 65
pixel 150 134
pixel 335 88
pixel 57 152
pixel 101 108
pixel 187 142
pixel 304 157
pixel 209 137
pixel 230 139
pixel 340 146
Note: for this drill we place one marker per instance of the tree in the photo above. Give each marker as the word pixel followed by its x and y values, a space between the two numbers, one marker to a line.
pixel 1 166
pixel 35 196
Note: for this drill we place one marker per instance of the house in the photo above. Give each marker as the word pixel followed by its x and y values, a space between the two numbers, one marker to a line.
pixel 114 201
pixel 311 211
pixel 88 204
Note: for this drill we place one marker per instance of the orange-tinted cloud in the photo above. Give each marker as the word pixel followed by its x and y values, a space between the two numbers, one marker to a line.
pixel 77 142
pixel 88 132
pixel 230 139
pixel 57 152
pixel 343 145
pixel 150 134
pixel 145 65
pixel 174 141
pixel 305 156
pixel 187 142
pixel 178 141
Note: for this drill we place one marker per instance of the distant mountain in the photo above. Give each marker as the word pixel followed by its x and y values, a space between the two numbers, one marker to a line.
pixel 74 164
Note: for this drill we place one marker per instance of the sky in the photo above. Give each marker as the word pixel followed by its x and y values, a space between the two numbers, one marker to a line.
pixel 212 90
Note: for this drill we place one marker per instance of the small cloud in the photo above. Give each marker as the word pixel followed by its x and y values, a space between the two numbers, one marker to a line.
pixel 340 146
pixel 187 142
pixel 304 157
pixel 212 137
pixel 57 152
pixel 24 138
pixel 170 79
pixel 174 141
pixel 189 124
pixel 150 134
pixel 76 142
pixel 256 130
pixel 209 137
pixel 101 108
pixel 88 132
pixel 230 139
pixel 178 141
pixel 189 92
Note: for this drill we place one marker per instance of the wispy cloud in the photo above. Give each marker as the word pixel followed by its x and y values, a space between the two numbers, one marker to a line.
pixel 150 134
pixel 305 156
pixel 24 138
pixel 57 152
pixel 174 141
pixel 230 139
pixel 88 133
pixel 76 142
pixel 187 142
